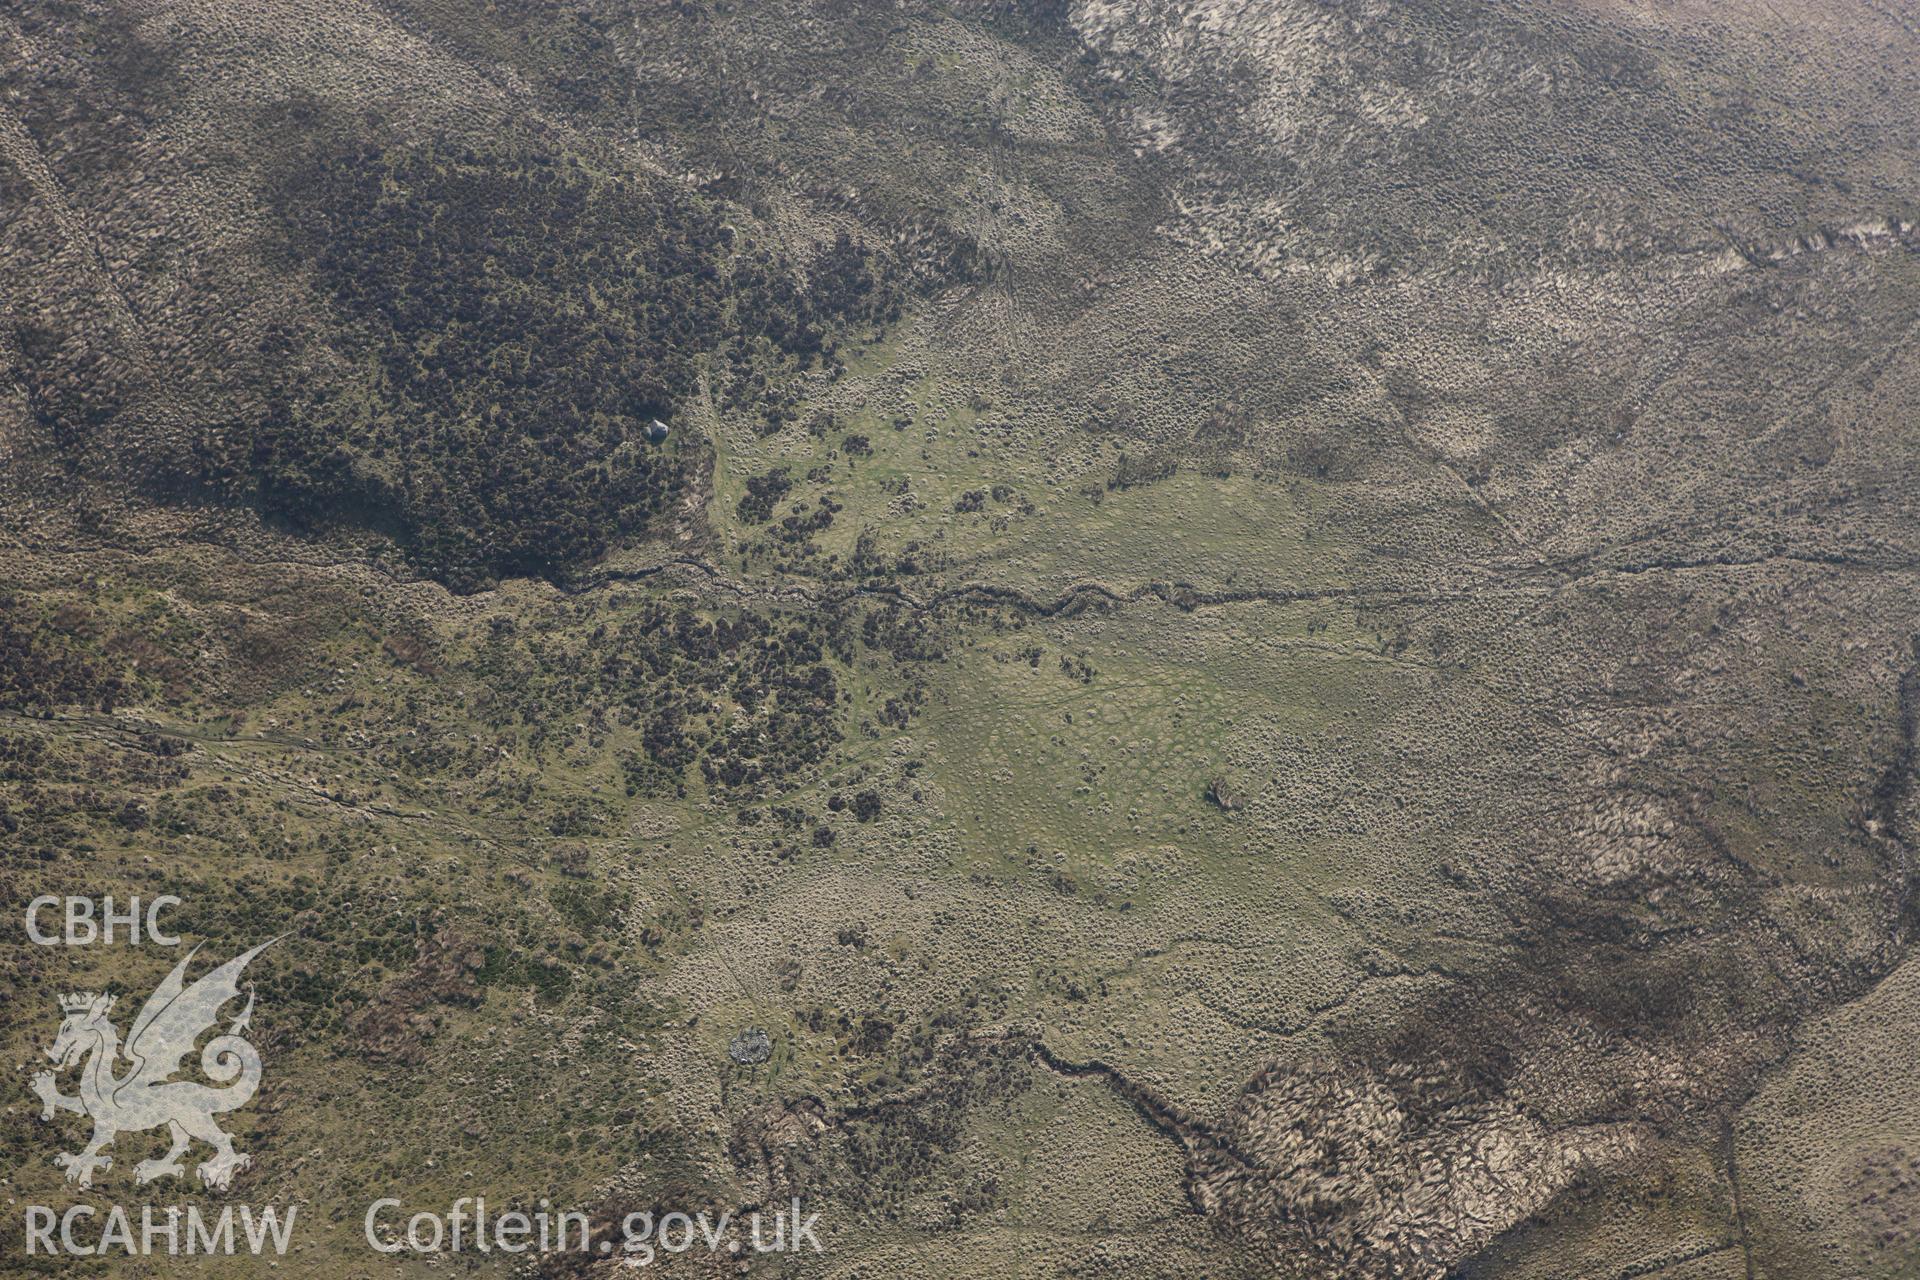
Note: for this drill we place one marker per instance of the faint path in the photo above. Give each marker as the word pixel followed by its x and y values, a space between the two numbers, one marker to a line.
pixel 17 145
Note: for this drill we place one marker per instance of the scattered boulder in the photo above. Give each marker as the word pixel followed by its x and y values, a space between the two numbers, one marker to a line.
pixel 1223 794
pixel 751 1047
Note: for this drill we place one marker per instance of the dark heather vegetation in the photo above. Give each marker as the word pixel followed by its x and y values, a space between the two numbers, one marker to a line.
pixel 510 323
pixel 752 698
pixel 48 661
pixel 763 493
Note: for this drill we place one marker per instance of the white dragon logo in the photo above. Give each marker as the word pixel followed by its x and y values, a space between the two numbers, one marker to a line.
pixel 145 1097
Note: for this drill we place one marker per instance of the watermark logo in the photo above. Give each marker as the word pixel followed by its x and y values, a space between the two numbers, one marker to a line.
pixel 145 1095
pixel 85 926
pixel 467 1226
